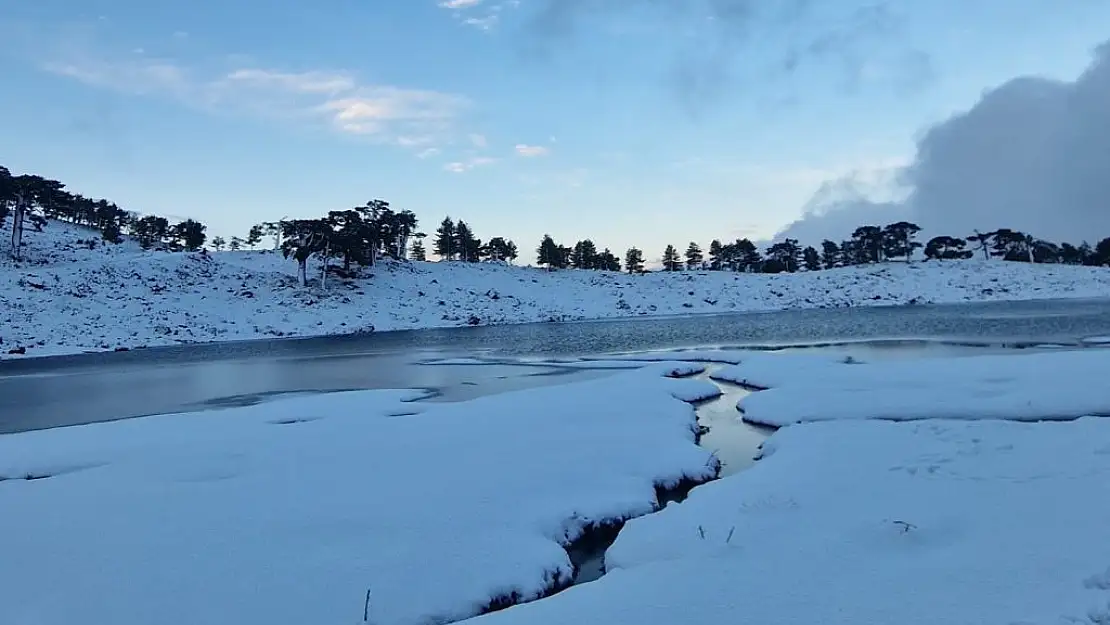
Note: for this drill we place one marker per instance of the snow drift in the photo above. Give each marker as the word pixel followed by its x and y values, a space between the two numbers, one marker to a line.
pixel 288 512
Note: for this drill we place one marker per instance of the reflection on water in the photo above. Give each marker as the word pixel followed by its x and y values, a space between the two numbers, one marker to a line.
pixel 734 442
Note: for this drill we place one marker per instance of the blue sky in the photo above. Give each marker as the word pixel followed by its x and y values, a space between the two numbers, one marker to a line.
pixel 624 123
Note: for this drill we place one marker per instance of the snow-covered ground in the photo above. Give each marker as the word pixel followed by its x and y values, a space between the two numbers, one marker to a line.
pixel 288 512
pixel 65 298
pixel 1030 385
pixel 845 523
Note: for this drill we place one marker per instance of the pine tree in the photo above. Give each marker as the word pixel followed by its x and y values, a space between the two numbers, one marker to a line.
pixel 584 255
pixel 254 236
pixel 671 261
pixel 418 253
pixel 445 246
pixel 606 261
pixel 236 244
pixel 947 248
pixel 748 258
pixel 869 243
pixel 111 232
pixel 634 260
pixel 898 240
pixel 466 244
pixel 716 255
pixel 830 254
pixel 811 259
pixel 218 243
pixel 548 253
pixel 694 257
pixel 189 234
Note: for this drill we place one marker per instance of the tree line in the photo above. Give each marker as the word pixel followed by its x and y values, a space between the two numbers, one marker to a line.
pixel 874 244
pixel 31 200
pixel 363 234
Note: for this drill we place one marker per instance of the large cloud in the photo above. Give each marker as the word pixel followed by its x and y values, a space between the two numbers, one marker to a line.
pixel 1032 155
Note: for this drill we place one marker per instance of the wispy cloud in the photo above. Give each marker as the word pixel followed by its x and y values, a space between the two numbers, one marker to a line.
pixel 337 99
pixel 531 151
pixel 459 167
pixel 480 14
pixel 478 140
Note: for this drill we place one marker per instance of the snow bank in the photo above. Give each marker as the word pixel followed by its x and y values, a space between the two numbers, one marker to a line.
pixel 1024 386
pixel 287 512
pixel 66 298
pixel 960 523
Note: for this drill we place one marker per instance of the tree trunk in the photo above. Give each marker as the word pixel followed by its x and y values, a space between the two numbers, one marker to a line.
pixel 17 227
pixel 302 270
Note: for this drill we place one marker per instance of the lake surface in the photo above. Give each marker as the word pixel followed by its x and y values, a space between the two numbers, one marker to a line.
pixel 69 390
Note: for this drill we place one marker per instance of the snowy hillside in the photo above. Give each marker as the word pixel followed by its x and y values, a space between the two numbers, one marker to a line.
pixel 66 298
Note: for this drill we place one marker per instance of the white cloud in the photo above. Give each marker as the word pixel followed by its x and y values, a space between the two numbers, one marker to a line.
pixel 531 151
pixel 478 140
pixel 1030 155
pixel 478 13
pixel 428 153
pixel 459 167
pixel 384 113
pixel 299 82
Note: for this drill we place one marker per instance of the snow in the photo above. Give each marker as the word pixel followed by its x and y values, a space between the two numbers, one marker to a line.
pixel 1023 386
pixel 286 512
pixel 65 298
pixel 960 523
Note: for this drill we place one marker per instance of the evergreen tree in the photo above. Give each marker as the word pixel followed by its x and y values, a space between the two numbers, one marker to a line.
pixel 634 260
pixel 747 256
pixel 111 232
pixel 445 246
pixel 830 254
pixel 606 261
pixel 898 240
pixel 786 256
pixel 150 230
pixel 218 243
pixel 716 255
pixel 1102 252
pixel 584 255
pixel 671 261
pixel 499 249
pixel 302 238
pixel 563 257
pixel 947 248
pixel 1069 254
pixel 982 240
pixel 868 243
pixel 418 253
pixel 694 257
pixel 548 253
pixel 1087 255
pixel 254 236
pixel 466 244
pixel 189 234
pixel 811 259
pixel 236 244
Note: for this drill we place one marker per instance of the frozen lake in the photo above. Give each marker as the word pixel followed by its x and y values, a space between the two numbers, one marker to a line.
pixel 68 390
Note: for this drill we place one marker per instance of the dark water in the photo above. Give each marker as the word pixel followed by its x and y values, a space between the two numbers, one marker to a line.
pixel 68 390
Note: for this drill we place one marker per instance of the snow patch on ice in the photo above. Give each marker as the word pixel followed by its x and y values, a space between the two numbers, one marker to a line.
pixel 1026 385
